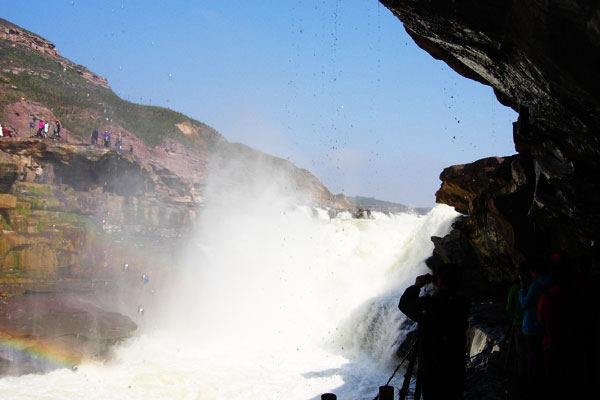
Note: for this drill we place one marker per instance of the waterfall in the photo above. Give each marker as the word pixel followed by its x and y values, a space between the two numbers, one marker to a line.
pixel 271 300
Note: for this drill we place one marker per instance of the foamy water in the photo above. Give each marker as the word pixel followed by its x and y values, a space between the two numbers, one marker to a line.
pixel 273 301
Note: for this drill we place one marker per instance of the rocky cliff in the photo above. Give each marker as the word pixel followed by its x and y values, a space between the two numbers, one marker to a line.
pixel 37 82
pixel 542 59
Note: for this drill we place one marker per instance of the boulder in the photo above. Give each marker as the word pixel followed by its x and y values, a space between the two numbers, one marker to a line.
pixel 59 330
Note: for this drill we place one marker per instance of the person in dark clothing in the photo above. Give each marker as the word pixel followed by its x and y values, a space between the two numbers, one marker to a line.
pixel 516 313
pixel 95 136
pixel 57 128
pixel 533 284
pixel 566 312
pixel 442 325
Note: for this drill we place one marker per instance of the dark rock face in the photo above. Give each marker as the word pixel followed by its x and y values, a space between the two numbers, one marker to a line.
pixel 498 234
pixel 542 59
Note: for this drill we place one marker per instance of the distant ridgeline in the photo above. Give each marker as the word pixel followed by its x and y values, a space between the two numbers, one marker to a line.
pixel 372 204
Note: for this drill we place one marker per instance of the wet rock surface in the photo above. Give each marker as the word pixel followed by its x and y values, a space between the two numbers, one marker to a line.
pixel 40 332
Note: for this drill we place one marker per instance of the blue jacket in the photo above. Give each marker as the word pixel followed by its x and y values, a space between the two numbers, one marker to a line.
pixel 529 301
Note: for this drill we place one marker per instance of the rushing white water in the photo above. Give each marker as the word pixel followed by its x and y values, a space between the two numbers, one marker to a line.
pixel 273 301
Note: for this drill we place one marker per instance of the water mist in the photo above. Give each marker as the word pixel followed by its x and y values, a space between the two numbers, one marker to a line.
pixel 272 299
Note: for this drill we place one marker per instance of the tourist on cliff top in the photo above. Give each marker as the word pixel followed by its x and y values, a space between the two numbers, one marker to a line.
pixel 56 130
pixel 40 129
pixel 106 139
pixel 95 136
pixel 38 174
pixel 532 287
pixel 32 125
pixel 1 132
pixel 23 175
pixel 119 142
pixel 442 325
pixel 46 128
pixel 516 313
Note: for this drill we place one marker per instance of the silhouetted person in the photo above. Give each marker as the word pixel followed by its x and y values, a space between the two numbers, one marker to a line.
pixel 566 313
pixel 516 313
pixel 442 325
pixel 532 287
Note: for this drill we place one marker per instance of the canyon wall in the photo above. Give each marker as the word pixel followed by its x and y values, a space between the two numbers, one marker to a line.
pixel 542 59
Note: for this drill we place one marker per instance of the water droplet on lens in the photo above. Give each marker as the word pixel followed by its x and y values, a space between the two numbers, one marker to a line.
pixel 141 310
pixel 125 267
pixel 74 368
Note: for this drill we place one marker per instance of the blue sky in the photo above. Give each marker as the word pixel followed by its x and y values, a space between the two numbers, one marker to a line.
pixel 336 87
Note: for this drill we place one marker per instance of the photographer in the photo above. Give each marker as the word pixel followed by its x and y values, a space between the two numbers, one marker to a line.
pixel 442 324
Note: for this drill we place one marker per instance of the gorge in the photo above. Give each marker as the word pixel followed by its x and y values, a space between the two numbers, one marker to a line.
pixel 76 229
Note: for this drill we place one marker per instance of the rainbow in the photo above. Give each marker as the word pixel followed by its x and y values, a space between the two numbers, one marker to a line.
pixel 46 353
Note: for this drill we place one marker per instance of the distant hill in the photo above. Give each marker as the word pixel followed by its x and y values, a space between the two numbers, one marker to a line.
pixel 373 204
pixel 32 68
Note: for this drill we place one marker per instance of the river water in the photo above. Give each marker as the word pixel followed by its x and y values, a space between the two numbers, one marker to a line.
pixel 270 301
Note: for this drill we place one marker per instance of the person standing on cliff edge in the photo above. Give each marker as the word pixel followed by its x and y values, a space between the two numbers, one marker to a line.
pixel 442 332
